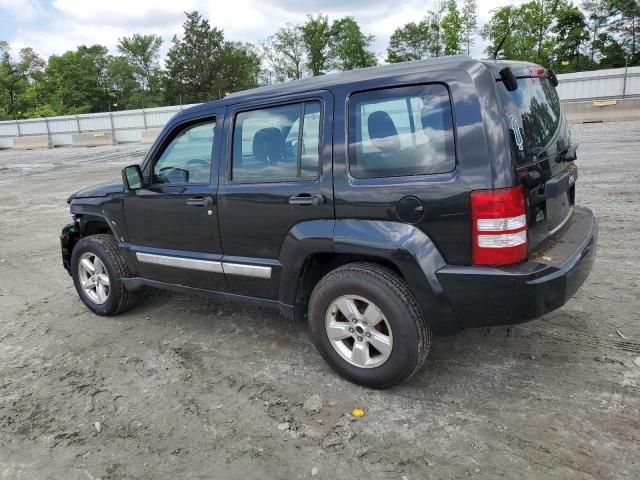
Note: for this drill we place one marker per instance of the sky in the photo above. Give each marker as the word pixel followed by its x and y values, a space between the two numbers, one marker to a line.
pixel 55 26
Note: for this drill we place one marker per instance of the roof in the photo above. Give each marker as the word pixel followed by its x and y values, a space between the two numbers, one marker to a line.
pixel 332 79
pixel 380 72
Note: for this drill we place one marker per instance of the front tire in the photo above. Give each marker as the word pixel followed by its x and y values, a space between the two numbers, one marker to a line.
pixel 97 268
pixel 367 325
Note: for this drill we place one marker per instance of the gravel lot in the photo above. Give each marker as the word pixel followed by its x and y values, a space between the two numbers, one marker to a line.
pixel 181 387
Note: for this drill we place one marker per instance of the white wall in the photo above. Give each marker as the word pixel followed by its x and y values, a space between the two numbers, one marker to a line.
pixel 596 84
pixel 127 126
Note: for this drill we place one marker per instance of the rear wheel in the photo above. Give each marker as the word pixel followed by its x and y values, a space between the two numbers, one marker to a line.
pixel 367 325
pixel 97 268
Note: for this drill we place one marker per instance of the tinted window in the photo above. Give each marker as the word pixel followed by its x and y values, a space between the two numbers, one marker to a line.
pixel 277 143
pixel 187 159
pixel 536 108
pixel 401 131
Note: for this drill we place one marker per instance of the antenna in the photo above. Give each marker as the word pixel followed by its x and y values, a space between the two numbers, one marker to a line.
pixel 509 27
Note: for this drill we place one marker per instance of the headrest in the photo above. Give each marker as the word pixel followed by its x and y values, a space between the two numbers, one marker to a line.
pixel 268 145
pixel 383 132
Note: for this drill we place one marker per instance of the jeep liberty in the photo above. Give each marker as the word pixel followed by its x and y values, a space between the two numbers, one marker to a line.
pixel 380 205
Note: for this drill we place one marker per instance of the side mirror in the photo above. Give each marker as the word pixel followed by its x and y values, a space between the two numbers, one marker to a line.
pixel 132 177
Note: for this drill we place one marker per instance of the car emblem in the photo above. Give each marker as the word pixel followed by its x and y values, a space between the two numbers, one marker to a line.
pixel 540 216
pixel 516 132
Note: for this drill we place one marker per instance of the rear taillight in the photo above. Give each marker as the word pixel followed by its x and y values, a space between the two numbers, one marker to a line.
pixel 499 226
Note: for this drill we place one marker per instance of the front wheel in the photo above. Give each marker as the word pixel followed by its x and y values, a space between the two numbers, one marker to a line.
pixel 97 268
pixel 367 325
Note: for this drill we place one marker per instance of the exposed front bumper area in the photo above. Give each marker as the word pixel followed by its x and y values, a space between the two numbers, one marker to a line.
pixel 488 296
pixel 68 238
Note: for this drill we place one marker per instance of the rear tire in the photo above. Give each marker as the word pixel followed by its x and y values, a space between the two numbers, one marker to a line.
pixel 379 353
pixel 97 268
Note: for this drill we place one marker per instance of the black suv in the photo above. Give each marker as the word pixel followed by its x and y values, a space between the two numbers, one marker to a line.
pixel 380 205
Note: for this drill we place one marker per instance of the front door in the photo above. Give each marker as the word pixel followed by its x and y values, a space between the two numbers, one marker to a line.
pixel 172 222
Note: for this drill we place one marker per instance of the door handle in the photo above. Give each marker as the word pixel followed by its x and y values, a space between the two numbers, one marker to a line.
pixel 306 199
pixel 200 201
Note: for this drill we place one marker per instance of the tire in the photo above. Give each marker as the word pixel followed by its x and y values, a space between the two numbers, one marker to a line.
pixel 402 326
pixel 105 248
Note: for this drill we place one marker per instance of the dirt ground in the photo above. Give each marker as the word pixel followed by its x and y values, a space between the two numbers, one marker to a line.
pixel 181 387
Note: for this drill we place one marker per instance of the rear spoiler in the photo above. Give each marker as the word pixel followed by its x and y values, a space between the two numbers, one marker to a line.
pixel 509 78
pixel 519 70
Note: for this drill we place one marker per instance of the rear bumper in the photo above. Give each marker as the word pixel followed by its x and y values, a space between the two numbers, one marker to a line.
pixel 487 296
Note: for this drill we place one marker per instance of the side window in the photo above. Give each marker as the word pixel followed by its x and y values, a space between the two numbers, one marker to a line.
pixel 187 159
pixel 401 131
pixel 277 143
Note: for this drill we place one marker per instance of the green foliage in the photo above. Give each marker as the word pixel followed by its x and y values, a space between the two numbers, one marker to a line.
pixel 452 29
pixel 529 30
pixel 17 79
pixel 143 53
pixel 349 47
pixel 571 35
pixel 469 23
pixel 193 66
pixel 434 20
pixel 602 34
pixel 409 42
pixel 625 22
pixel 284 53
pixel 202 65
pixel 316 34
pixel 79 81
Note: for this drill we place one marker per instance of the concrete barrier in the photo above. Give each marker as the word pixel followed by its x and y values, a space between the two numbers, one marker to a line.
pixel 614 110
pixel 150 135
pixel 93 139
pixel 31 142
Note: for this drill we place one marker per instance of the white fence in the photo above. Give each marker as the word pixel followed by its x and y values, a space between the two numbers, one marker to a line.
pixel 127 126
pixel 600 84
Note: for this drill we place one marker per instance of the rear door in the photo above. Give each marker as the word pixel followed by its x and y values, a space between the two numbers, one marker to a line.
pixel 278 173
pixel 541 144
pixel 172 221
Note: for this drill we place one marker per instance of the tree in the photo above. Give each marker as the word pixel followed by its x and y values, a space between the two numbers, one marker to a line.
pixel 143 52
pixel 241 67
pixel 316 34
pixel 452 29
pixel 79 81
pixel 597 17
pixel 469 23
pixel 571 35
pixel 611 54
pixel 125 91
pixel 527 30
pixel 349 46
pixel 434 22
pixel 16 77
pixel 626 24
pixel 202 66
pixel 409 42
pixel 284 53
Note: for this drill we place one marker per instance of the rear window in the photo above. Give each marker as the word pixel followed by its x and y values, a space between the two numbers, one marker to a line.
pixel 400 132
pixel 535 107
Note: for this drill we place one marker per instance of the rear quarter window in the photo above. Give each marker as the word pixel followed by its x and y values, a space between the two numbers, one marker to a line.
pixel 401 132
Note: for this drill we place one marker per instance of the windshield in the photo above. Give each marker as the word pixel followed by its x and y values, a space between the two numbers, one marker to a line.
pixel 535 108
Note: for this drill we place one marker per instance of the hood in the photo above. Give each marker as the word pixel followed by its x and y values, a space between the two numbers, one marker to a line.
pixel 101 190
